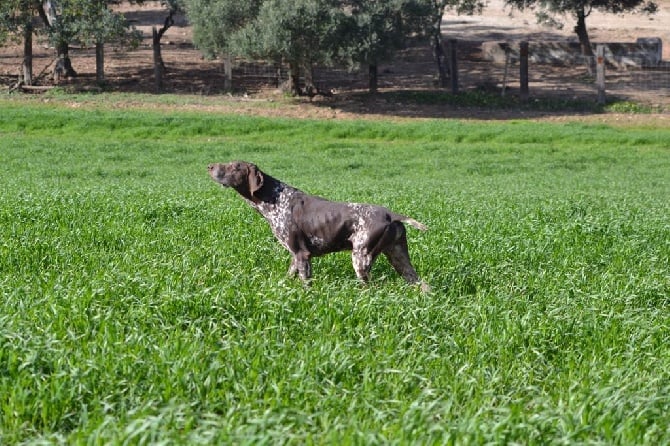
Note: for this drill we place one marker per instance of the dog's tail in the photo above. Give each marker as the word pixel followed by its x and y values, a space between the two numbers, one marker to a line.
pixel 410 221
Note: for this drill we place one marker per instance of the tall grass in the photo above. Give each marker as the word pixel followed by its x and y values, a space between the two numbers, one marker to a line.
pixel 140 303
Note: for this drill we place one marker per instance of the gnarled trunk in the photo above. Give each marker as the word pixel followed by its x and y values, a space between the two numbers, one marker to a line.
pixel 48 10
pixel 157 35
pixel 310 86
pixel 583 34
pixel 584 41
pixel 159 66
pixel 63 68
pixel 294 77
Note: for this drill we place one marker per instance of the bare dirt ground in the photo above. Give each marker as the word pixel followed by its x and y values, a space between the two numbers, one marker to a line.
pixel 188 73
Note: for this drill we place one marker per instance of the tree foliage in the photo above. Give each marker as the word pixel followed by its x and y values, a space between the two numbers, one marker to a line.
pixel 303 33
pixel 300 33
pixel 64 21
pixel 216 21
pixel 376 29
pixel 94 22
pixel 16 16
pixel 87 21
pixel 16 20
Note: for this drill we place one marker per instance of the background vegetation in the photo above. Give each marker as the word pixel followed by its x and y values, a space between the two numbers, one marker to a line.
pixel 301 34
pixel 141 303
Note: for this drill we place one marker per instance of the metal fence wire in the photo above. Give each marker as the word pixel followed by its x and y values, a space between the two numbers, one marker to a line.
pixel 552 73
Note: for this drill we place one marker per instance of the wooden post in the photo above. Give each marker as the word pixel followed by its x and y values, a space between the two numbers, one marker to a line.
pixel 278 74
pixel 438 53
pixel 453 65
pixel 523 70
pixel 227 72
pixel 99 62
pixel 27 66
pixel 507 59
pixel 600 72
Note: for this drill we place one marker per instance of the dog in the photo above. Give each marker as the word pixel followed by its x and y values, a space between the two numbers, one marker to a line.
pixel 309 226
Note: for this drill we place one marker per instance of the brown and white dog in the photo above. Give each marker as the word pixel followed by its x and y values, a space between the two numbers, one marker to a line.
pixel 310 226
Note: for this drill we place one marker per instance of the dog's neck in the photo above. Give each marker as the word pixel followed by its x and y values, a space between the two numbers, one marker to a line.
pixel 270 191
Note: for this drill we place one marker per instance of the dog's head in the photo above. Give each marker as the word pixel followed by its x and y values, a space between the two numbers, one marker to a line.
pixel 242 176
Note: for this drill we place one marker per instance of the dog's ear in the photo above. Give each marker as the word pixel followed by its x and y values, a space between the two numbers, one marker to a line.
pixel 255 179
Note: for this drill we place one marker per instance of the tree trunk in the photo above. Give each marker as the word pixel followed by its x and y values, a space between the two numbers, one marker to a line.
pixel 63 67
pixel 159 66
pixel 584 41
pixel 294 78
pixel 310 87
pixel 48 11
pixel 100 62
pixel 27 66
pixel 583 34
pixel 373 78
pixel 157 35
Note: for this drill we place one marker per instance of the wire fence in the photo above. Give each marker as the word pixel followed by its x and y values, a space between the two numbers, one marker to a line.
pixel 626 73
pixel 650 84
pixel 556 76
pixel 552 76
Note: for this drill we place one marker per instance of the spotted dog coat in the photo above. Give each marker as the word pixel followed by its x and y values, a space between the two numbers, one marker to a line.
pixel 312 226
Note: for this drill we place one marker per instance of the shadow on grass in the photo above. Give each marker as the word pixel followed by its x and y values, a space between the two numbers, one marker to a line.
pixel 473 104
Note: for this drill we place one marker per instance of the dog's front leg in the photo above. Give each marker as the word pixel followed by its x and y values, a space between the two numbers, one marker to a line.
pixel 303 265
pixel 293 269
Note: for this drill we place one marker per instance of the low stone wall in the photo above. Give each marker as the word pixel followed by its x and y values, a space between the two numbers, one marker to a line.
pixel 645 52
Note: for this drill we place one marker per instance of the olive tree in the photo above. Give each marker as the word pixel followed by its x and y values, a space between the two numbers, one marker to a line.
pixel 96 24
pixel 16 23
pixel 301 33
pixel 377 29
pixel 215 22
pixel 87 21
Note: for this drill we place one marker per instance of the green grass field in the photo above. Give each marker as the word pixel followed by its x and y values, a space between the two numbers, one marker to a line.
pixel 143 304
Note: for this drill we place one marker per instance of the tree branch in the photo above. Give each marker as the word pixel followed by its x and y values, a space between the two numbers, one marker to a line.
pixel 169 21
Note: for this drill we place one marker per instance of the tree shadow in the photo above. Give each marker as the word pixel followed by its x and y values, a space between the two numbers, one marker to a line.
pixel 438 104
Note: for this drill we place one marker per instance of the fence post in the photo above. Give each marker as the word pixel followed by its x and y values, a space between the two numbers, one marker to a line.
pixel 453 66
pixel 99 62
pixel 523 70
pixel 227 72
pixel 600 72
pixel 507 59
